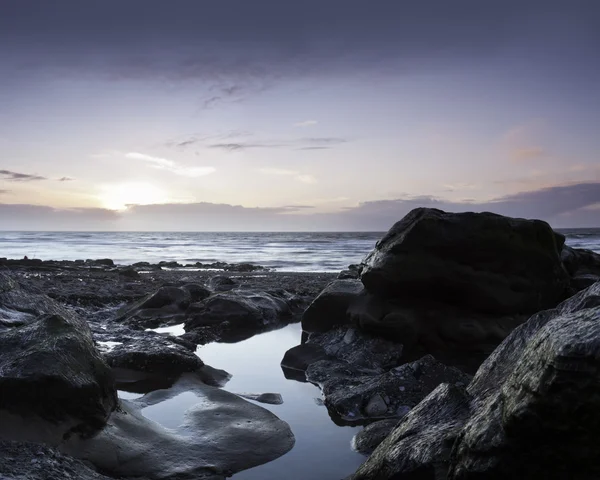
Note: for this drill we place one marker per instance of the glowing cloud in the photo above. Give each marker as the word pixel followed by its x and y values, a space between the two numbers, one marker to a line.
pixel 171 166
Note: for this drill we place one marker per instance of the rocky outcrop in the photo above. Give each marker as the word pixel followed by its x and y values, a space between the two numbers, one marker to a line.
pixel 480 261
pixel 454 285
pixel 353 393
pixel 531 411
pixel 50 368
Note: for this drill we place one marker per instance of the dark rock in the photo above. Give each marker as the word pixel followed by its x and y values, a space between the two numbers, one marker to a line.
pixel 164 307
pixel 100 262
pixel 354 393
pixel 171 264
pixel 269 398
pixel 31 461
pixel 478 261
pixel 51 369
pixel 153 353
pixel 454 336
pixel 330 307
pixel 540 416
pixel 221 283
pixel 297 359
pixel 353 271
pixel 129 273
pixel 236 313
pixel 531 411
pixel 419 446
pixel 372 435
pixel 197 292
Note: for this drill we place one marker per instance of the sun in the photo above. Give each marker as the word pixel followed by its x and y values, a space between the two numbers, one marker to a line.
pixel 123 195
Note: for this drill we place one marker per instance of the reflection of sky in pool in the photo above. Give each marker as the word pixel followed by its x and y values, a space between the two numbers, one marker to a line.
pixel 322 450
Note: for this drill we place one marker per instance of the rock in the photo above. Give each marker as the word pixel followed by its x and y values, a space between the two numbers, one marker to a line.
pixel 454 336
pixel 330 307
pixel 129 273
pixel 171 264
pixel 421 442
pixel 352 393
pixel 355 347
pixel 221 283
pixel 218 437
pixel 531 411
pixel 100 262
pixel 269 398
pixel 353 271
pixel 197 291
pixel 540 417
pixel 372 435
pixel 51 370
pixel 166 306
pixel 477 261
pixel 20 307
pixel 31 461
pixel 153 353
pixel 233 314
pixel 297 359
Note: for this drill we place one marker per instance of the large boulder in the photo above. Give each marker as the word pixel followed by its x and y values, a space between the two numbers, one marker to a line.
pixel 49 366
pixel 531 411
pixel 237 314
pixel 50 369
pixel 479 261
pixel 152 353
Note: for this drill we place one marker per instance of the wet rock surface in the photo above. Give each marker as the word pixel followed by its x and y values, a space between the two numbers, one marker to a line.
pixel 49 366
pixel 369 438
pixel 529 412
pixel 354 393
pixel 30 461
pixel 218 437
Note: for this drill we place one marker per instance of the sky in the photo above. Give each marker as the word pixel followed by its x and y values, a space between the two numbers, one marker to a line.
pixel 296 115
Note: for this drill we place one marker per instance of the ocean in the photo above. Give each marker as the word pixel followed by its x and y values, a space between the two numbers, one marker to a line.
pixel 295 251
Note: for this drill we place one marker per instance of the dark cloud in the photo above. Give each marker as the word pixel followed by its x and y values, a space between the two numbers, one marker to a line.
pixel 19 177
pixel 36 217
pixel 65 179
pixel 238 44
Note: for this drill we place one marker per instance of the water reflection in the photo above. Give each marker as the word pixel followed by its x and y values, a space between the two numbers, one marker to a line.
pixel 322 449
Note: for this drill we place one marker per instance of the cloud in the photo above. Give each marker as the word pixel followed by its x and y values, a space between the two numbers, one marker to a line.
pixel 65 179
pixel 39 218
pixel 301 177
pixel 235 147
pixel 527 153
pixel 170 165
pixel 20 177
pixel 306 123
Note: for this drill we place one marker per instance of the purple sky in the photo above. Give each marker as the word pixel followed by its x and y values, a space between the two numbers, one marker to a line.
pixel 312 115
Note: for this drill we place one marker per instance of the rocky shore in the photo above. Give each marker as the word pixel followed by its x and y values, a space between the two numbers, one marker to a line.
pixel 467 344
